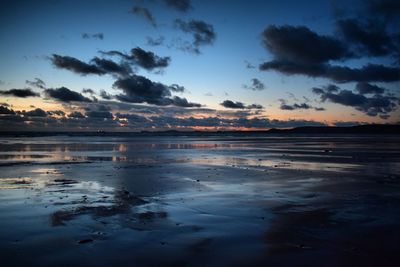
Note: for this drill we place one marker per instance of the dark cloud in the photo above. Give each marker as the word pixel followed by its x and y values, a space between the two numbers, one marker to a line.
pixel 27 92
pixel 144 13
pixel 56 112
pixel 388 10
pixel 224 123
pixel 109 66
pixel 298 50
pixel 372 106
pixel 76 114
pixel 105 95
pixel 37 83
pixel 99 36
pixel 96 66
pixel 231 104
pixel 99 114
pixel 165 117
pixel 202 33
pixel 64 94
pixel 342 74
pixel 6 110
pixel 183 102
pixel 177 88
pixel 139 89
pixel 366 88
pixel 297 106
pixel 255 106
pixel 369 37
pixel 180 5
pixel 239 105
pixel 384 116
pixel 301 45
pixel 88 91
pixel 142 58
pixel 155 41
pixel 75 65
pixel 35 113
pixel 249 65
pixel 148 60
pixel 256 85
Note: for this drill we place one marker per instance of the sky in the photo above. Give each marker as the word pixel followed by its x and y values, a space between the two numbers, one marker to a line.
pixel 197 65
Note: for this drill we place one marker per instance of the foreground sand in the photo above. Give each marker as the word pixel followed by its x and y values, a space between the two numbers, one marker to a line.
pixel 211 201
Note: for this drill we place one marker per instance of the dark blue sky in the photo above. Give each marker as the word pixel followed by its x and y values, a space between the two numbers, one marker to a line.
pixel 305 63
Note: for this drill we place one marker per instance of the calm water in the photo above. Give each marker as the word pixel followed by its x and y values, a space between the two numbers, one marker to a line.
pixel 210 201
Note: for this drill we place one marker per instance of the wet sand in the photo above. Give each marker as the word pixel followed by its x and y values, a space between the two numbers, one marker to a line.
pixel 200 201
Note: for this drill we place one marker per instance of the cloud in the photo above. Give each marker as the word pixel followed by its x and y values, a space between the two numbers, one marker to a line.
pixel 341 74
pixel 139 89
pixel 296 106
pixel 256 85
pixel 301 45
pixel 180 5
pixel 144 13
pixel 142 117
pixel 183 102
pixel 109 66
pixel 177 88
pixel 105 95
pixel 388 10
pixel 142 58
pixel 23 93
pixel 97 66
pixel 368 37
pixel 249 65
pixel 99 114
pixel 99 36
pixel 239 105
pixel 372 106
pixel 88 91
pixel 56 112
pixel 75 65
pixel 76 114
pixel 155 41
pixel 37 83
pixel 366 88
pixel 231 104
pixel 202 33
pixel 35 113
pixel 64 94
pixel 148 60
pixel 254 106
pixel 298 50
pixel 223 123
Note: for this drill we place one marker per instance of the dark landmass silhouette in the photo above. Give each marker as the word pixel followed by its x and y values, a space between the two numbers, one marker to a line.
pixel 374 129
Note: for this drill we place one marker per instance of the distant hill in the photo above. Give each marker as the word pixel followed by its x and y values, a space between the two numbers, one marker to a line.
pixel 359 129
pixel 374 129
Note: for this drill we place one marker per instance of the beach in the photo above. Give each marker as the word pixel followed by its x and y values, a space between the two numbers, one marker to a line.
pixel 274 200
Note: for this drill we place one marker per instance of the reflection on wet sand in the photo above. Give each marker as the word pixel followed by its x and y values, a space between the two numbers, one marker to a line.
pixel 200 201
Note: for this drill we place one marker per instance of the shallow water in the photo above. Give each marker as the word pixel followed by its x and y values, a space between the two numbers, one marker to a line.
pixel 206 201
